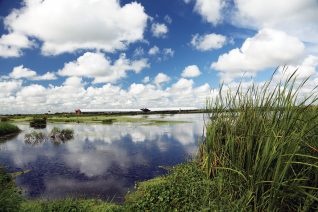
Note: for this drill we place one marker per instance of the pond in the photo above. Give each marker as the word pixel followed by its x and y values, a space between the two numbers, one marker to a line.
pixel 101 161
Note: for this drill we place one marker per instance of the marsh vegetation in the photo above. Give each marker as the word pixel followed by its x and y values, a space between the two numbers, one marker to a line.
pixel 38 122
pixel 56 135
pixel 259 154
pixel 264 157
pixel 8 129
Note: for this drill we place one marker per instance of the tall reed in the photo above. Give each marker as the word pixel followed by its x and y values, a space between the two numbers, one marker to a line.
pixel 261 146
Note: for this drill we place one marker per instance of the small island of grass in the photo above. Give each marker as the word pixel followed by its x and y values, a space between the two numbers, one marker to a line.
pixel 7 129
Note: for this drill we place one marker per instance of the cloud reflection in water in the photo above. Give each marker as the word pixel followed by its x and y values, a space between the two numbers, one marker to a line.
pixel 102 160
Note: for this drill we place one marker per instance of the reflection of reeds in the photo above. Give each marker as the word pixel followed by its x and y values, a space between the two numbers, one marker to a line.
pixel 56 136
pixel 34 138
pixel 261 146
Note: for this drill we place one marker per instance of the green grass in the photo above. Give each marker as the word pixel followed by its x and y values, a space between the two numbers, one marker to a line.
pixel 38 122
pixel 10 196
pixel 108 121
pixel 92 205
pixel 164 122
pixel 8 128
pixel 268 146
pixel 185 188
pixel 102 119
pixel 4 119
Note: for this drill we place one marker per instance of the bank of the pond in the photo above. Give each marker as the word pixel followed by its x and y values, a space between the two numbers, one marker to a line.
pixel 7 129
pixel 103 119
pixel 12 200
pixel 185 188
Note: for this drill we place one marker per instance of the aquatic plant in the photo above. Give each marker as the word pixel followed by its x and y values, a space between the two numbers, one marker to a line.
pixel 4 119
pixel 38 123
pixel 61 134
pixel 261 146
pixel 8 128
pixel 10 195
pixel 56 135
pixel 108 121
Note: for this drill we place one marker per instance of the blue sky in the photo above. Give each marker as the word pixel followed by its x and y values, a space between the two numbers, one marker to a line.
pixel 61 55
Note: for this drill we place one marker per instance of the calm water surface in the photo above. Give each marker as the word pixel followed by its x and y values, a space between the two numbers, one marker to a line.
pixel 102 161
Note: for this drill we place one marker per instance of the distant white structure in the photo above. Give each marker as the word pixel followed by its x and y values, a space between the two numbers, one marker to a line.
pixel 108 110
pixel 158 109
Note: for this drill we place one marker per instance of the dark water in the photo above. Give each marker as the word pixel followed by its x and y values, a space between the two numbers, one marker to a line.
pixel 102 161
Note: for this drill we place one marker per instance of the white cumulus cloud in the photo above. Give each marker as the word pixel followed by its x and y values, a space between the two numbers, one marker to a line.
pixel 101 69
pixel 67 26
pixel 210 10
pixel 268 48
pixel 7 88
pixel 161 54
pixel 72 94
pixel 20 72
pixel 191 71
pixel 208 42
pixel 146 79
pixel 297 18
pixel 161 78
pixel 11 44
pixel 159 30
pixel 154 50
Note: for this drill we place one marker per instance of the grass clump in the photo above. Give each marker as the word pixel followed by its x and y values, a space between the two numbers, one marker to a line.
pixel 61 134
pixel 56 135
pixel 265 140
pixel 4 119
pixel 38 123
pixel 153 122
pixel 10 195
pixel 108 121
pixel 7 129
pixel 185 188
